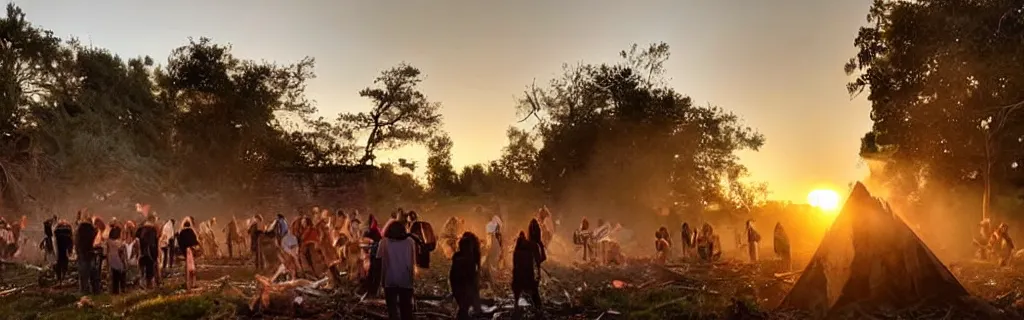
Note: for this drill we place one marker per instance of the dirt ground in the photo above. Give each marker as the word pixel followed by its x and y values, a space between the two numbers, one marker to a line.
pixel 638 289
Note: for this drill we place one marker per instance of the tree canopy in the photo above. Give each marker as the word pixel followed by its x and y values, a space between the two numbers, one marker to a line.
pixel 945 79
pixel 79 122
pixel 615 135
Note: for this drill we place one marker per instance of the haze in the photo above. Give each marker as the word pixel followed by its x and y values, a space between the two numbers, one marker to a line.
pixel 777 64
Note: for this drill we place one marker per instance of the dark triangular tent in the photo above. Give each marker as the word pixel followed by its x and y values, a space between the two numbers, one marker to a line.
pixel 870 259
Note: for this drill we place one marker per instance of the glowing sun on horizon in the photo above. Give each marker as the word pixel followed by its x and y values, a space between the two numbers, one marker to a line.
pixel 824 199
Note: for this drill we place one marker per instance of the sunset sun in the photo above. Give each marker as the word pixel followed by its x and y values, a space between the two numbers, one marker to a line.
pixel 824 199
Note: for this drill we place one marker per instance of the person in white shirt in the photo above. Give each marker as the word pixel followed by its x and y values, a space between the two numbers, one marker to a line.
pixel 167 234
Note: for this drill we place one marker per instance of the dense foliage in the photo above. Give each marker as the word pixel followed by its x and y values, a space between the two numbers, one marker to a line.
pixel 946 80
pixel 79 123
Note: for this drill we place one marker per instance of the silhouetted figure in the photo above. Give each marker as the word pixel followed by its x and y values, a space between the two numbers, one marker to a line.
pixel 398 256
pixel 662 244
pixel 708 246
pixel 426 241
pixel 526 261
pixel 754 241
pixel 689 236
pixel 464 275
pixel 373 278
pixel 547 226
pixel 981 241
pixel 84 237
pixel 149 250
pixel 782 247
pixel 47 243
pixel 1002 244
pixel 255 231
pixel 63 236
pixel 187 240
pixel 584 237
pixel 232 235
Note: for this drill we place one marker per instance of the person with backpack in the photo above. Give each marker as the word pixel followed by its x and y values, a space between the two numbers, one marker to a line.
pixel 398 256
pixel 423 233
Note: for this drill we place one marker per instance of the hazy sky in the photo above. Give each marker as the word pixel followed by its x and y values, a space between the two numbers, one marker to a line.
pixel 778 64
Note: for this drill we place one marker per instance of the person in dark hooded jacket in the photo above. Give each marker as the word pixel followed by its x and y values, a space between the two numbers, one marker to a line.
pixel 464 275
pixel 187 241
pixel 526 260
pixel 149 250
pixel 84 238
pixel 64 238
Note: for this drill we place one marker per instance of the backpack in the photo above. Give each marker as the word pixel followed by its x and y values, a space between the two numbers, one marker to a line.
pixel 426 242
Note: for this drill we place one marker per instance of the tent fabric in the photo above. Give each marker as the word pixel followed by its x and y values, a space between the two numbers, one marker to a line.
pixel 871 259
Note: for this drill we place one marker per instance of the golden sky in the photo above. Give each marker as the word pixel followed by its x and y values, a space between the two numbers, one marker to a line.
pixel 778 64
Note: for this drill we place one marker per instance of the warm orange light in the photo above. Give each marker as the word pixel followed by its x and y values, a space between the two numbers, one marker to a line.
pixel 824 199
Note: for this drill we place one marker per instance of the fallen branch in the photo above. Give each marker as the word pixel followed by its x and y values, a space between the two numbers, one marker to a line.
pixel 788 274
pixel 11 291
pixel 432 314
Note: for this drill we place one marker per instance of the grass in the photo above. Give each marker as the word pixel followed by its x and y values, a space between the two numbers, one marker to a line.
pixel 145 305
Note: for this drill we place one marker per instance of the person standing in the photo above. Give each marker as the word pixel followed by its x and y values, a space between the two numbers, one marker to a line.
pixel 526 270
pixel 187 239
pixel 117 259
pixel 64 238
pixel 231 232
pixel 280 228
pixel 753 240
pixel 167 234
pixel 781 246
pixel 494 255
pixel 373 278
pixel 464 275
pixel 85 236
pixel 148 250
pixel 309 240
pixel 398 255
pixel 255 231
pixel 47 244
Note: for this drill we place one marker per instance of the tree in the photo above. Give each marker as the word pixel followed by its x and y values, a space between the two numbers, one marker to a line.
pixel 440 174
pixel 32 62
pixel 938 72
pixel 323 145
pixel 518 161
pixel 615 137
pixel 401 114
pixel 109 134
pixel 227 123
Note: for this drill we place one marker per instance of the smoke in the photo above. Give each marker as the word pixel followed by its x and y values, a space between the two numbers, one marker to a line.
pixel 944 216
